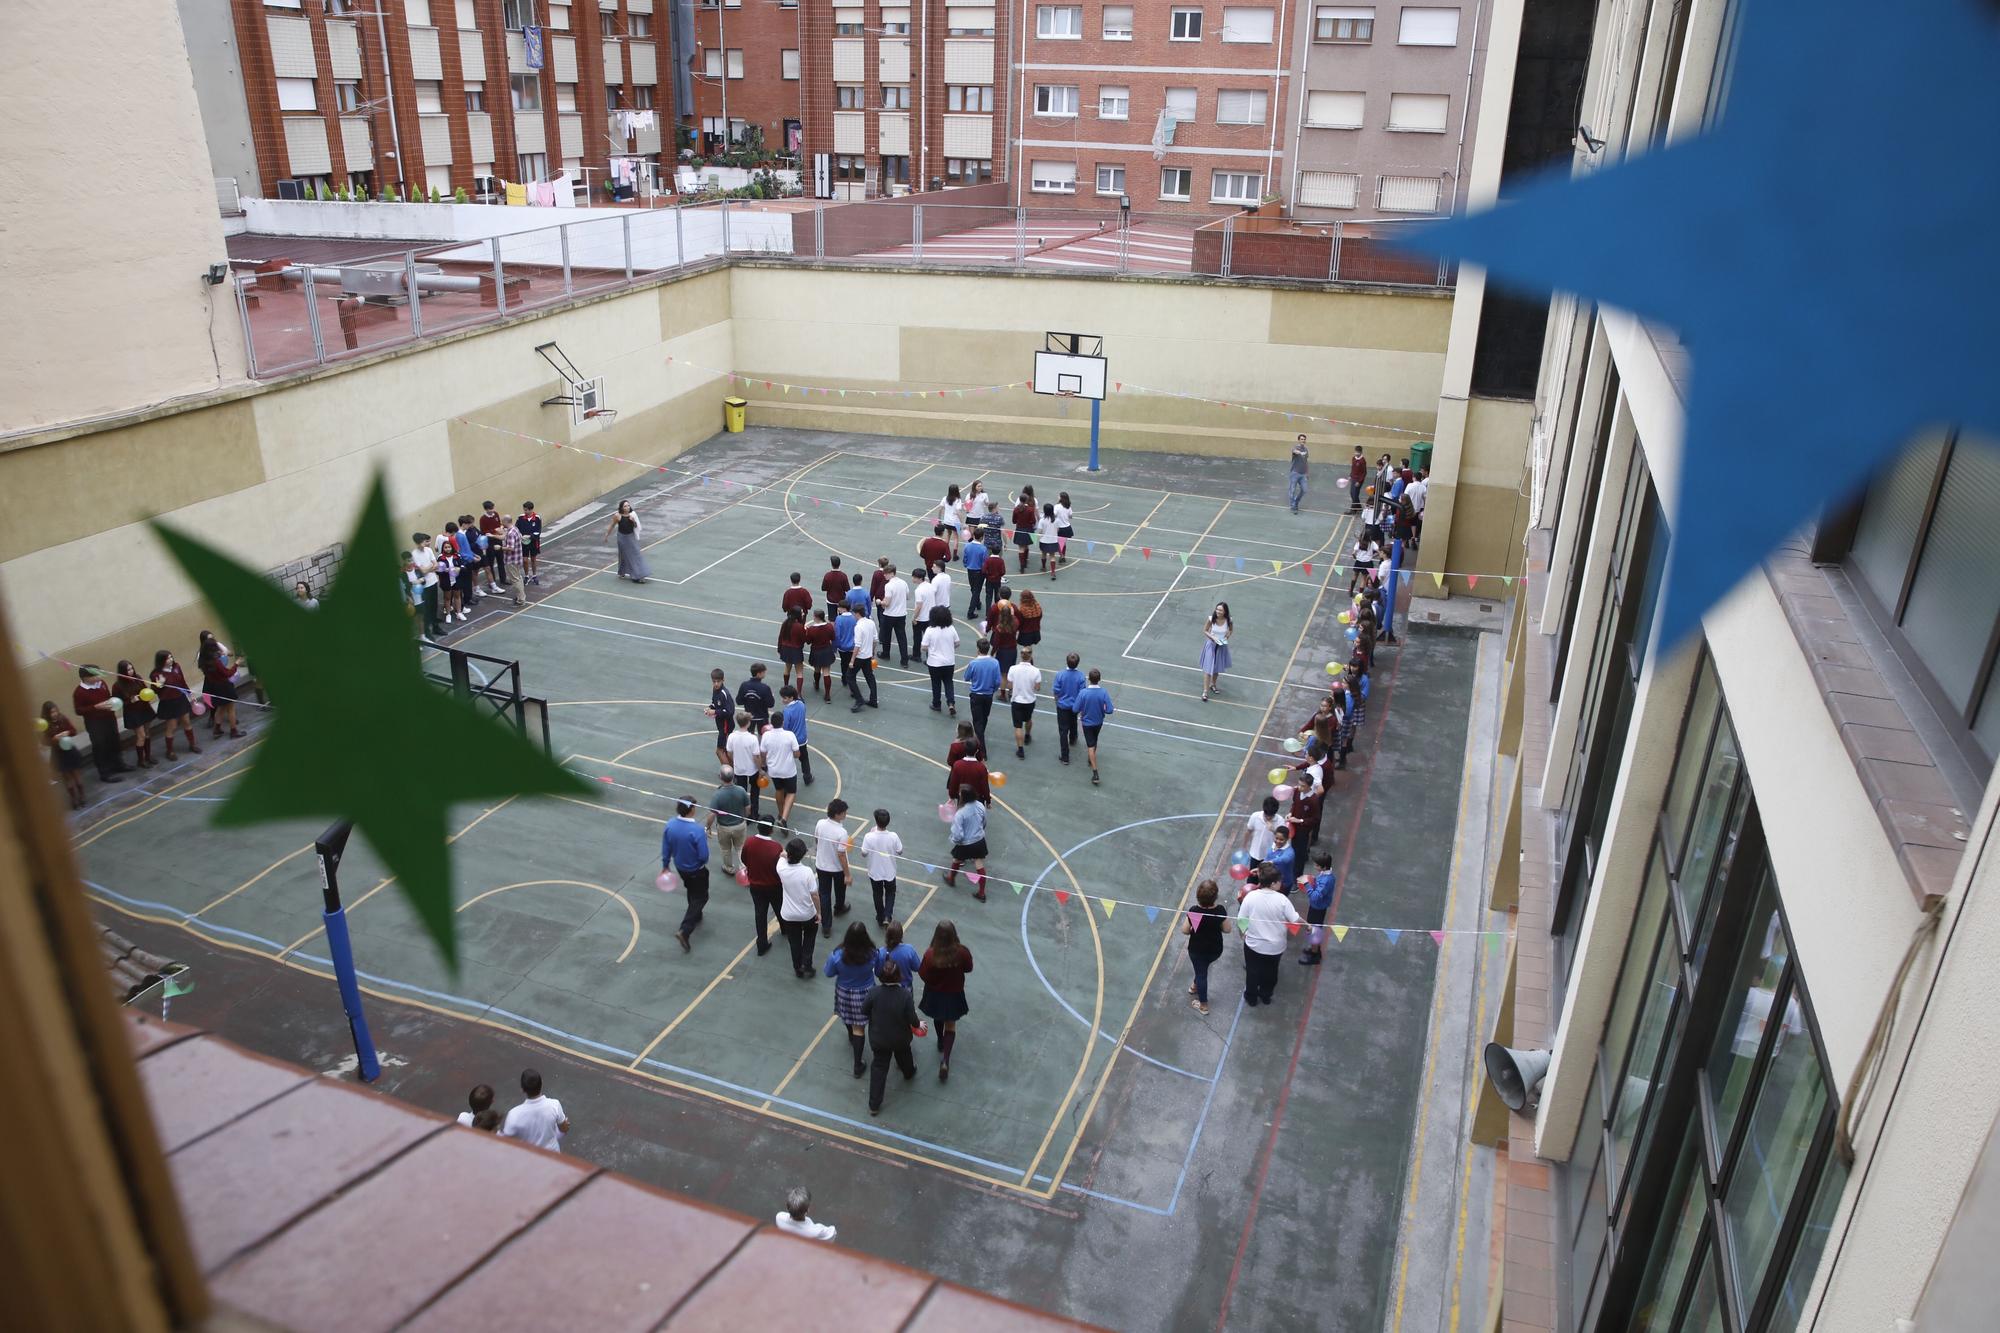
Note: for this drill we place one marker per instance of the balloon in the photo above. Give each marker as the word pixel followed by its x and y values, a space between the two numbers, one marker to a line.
pixel 763 781
pixel 667 882
pixel 146 696
pixel 1345 616
pixel 1293 745
pixel 41 724
pixel 1276 775
pixel 1352 634
pixel 1239 872
pixel 743 875
pixel 67 742
pixel 1283 791
pixel 200 704
pixel 115 704
pixel 1333 668
pixel 997 779
pixel 1240 858
pixel 945 811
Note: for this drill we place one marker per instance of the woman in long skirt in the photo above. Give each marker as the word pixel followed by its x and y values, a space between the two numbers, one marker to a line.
pixel 631 557
pixel 1215 649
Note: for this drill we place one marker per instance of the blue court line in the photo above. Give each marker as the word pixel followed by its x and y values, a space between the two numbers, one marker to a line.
pixel 1029 949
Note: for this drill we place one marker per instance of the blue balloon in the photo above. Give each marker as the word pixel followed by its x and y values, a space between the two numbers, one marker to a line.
pixel 1241 858
pixel 1353 633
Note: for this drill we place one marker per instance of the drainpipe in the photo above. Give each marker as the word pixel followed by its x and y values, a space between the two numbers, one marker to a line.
pixel 722 40
pixel 1465 110
pixel 1277 82
pixel 923 95
pixel 389 92
pixel 1020 88
pixel 1304 85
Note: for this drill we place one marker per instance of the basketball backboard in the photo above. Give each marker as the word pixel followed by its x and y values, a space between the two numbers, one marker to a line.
pixel 1072 365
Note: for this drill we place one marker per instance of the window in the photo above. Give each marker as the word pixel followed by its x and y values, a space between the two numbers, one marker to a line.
pixel 896 21
pixel 1422 112
pixel 430 97
pixel 1055 99
pixel 1181 103
pixel 1334 24
pixel 1407 194
pixel 968 97
pixel 1176 183
pixel 565 97
pixel 847 22
pixel 895 97
pixel 639 25
pixel 559 17
pixel 1059 21
pixel 516 14
pixel 1236 187
pixel 533 166
pixel 1187 25
pixel 847 96
pixel 1114 103
pixel 711 64
pixel 347 95
pixel 1328 189
pixel 1110 179
pixel 1334 111
pixel 1118 23
pixel 735 62
pixel 847 168
pixel 1053 178
pixel 1247 25
pixel 967 171
pixel 1428 27
pixel 1239 107
pixel 614 96
pixel 417 13
pixel 642 98
pixel 297 95
pixel 466 17
pixel 607 23
pixel 895 167
pixel 788 64
pixel 527 91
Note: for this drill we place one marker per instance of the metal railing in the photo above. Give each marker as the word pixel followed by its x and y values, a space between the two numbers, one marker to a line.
pixel 298 315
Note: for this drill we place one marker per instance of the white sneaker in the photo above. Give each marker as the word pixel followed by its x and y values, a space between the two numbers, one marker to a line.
pixel 461 615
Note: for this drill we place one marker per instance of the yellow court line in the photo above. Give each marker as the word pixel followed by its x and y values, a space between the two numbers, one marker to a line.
pixel 253 879
pixel 899 486
pixel 1132 539
pixel 616 897
pixel 164 797
pixel 1455 883
pixel 1465 1167
pixel 1201 861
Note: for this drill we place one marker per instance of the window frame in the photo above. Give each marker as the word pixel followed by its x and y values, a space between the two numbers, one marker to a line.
pixel 1037 185
pixel 1184 23
pixel 1331 34
pixel 348 95
pixel 1187 193
pixel 531 84
pixel 310 87
pixel 1123 97
pixel 1117 190
pixel 1046 23
pixel 1109 34
pixel 1219 174
pixel 1261 109
pixel 1043 104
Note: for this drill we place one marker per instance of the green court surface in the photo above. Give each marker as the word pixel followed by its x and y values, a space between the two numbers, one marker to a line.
pixel 566 941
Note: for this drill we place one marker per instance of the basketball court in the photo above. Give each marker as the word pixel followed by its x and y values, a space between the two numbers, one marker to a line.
pixel 1083 1085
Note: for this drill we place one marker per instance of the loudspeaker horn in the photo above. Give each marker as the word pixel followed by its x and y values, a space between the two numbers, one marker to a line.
pixel 1517 1075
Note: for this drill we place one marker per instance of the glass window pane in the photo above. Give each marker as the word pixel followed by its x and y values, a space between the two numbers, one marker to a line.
pixel 1956 594
pixel 1889 518
pixel 1725 856
pixel 1656 1010
pixel 1694 750
pixel 1710 815
pixel 1589 1237
pixel 1659 1292
pixel 1786 1115
pixel 1746 1010
pixel 1704 1312
pixel 1812 1242
pixel 1987 729
pixel 1632 982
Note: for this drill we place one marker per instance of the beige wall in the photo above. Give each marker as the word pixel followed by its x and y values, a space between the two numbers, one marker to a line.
pixel 91 243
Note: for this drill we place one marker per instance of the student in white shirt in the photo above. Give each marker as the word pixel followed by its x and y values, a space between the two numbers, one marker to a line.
pixel 798 907
pixel 746 757
pixel 864 664
pixel 797 1201
pixel 940 645
pixel 1045 538
pixel 893 617
pixel 830 862
pixel 1257 839
pixel 1264 913
pixel 539 1121
pixel 1065 528
pixel 882 847
pixel 921 602
pixel 941 588
pixel 778 747
pixel 1023 679
pixel 480 1099
pixel 951 513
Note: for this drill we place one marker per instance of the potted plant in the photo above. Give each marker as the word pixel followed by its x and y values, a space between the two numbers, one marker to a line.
pixel 458 196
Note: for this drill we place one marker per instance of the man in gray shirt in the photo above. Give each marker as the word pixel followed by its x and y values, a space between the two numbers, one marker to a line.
pixel 727 805
pixel 1296 482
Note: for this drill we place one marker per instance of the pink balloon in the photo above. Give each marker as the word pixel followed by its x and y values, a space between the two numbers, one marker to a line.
pixel 743 875
pixel 1239 872
pixel 200 706
pixel 1283 792
pixel 946 811
pixel 667 882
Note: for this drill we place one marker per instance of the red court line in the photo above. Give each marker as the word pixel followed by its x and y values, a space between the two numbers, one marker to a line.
pixel 1312 990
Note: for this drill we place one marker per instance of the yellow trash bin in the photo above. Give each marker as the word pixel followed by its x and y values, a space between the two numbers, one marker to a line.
pixel 732 415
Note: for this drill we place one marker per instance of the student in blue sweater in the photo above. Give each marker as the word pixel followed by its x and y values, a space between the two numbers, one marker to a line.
pixel 1093 705
pixel 906 959
pixel 1319 900
pixel 1066 688
pixel 684 850
pixel 968 840
pixel 975 573
pixel 852 967
pixel 982 682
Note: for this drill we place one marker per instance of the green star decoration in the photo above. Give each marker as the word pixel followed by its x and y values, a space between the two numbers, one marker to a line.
pixel 357 733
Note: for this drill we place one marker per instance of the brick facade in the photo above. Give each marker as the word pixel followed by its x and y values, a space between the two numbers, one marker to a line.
pixel 762 30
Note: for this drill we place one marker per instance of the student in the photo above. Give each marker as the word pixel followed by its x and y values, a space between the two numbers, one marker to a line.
pixel 944 969
pixel 631 555
pixel 852 967
pixel 721 710
pixel 1093 705
pixel 529 525
pixel 843 644
pixel 539 1121
pixel 798 910
pixel 1367 554
pixel 833 587
pixel 92 701
pixel 1024 678
pixel 508 544
pixel 1215 636
pixel 1259 832
pixel 1065 516
pixel 965 765
pixel 761 858
pixel 891 1019
pixel 922 598
pixel 862 663
pixel 1357 475
pixel 1023 519
pixel 792 717
pixel 1068 691
pixel 728 821
pixel 1295 482
pixel 968 840
pixel 480 1099
pixel 907 961
pixel 894 618
pixel 882 847
pixel 65 758
pixel 1319 899
pixel 176 703
pixel 933 550
pixel 1051 545
pixel 975 574
pixel 820 653
pixel 979 507
pixel 450 580
pixel 798 597
pixel 1204 924
pixel 878 581
pixel 940 645
pixel 951 519
pixel 982 681
pixel 858 600
pixel 1265 913
pixel 1028 616
pixel 778 750
pixel 746 757
pixel 490 526
pixel 1308 808
pixel 684 850
pixel 136 714
pixel 792 647
pixel 754 695
pixel 830 861
pixel 996 577
pixel 798 1200
pixel 1003 631
pixel 1280 868
pixel 941 587
pixel 426 561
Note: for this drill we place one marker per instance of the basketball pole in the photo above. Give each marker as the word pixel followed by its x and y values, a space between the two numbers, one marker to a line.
pixel 1096 411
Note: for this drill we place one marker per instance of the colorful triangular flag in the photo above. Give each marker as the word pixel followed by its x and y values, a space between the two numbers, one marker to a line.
pixel 1062 895
pixel 1211 562
pixel 1277 566
pixel 1239 564
pixel 1108 905
pixel 1437 937
pixel 1117 549
pixel 1019 888
pixel 1194 920
pixel 1438 579
pixel 1146 552
pixel 1307 566
pixel 1340 934
pixel 1507 579
pixel 1152 914
pixel 1090 548
pixel 1291 927
pixel 1472 580
pixel 1393 935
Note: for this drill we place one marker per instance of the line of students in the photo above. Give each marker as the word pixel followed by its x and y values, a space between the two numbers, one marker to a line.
pixel 475 558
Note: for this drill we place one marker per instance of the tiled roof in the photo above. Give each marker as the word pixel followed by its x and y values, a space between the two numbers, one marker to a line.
pixel 318 1204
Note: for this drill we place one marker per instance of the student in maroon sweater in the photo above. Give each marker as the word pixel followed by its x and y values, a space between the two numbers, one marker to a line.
pixel 833 585
pixel 943 970
pixel 797 597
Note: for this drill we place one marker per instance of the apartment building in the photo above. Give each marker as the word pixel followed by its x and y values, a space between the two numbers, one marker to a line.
pixel 745 74
pixel 1383 108
pixel 440 94
pixel 902 97
pixel 1755 922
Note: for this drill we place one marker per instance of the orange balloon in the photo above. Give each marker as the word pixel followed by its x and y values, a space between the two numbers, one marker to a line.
pixel 763 781
pixel 997 779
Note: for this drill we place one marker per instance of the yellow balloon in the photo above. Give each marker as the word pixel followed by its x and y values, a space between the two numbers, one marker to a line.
pixel 147 696
pixel 1346 616
pixel 1276 775
pixel 41 724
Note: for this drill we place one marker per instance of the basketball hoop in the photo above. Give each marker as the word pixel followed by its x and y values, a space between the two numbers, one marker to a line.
pixel 603 414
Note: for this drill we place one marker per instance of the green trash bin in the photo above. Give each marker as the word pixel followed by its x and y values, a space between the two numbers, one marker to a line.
pixel 1420 456
pixel 732 415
